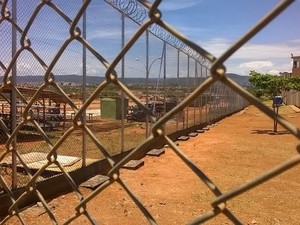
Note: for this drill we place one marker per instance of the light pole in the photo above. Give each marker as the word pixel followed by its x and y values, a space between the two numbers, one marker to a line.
pixel 147 70
pixel 147 89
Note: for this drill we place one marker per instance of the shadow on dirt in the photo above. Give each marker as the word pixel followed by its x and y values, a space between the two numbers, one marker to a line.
pixel 270 132
pixel 25 137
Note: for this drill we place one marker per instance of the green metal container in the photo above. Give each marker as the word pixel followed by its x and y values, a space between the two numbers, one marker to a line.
pixel 111 108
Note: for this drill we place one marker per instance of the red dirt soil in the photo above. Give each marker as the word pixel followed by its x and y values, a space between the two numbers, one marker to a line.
pixel 238 149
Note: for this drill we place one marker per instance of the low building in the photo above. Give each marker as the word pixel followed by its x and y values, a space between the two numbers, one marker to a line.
pixel 285 74
pixel 296 66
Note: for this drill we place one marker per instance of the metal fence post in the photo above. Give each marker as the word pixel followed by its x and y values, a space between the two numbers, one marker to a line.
pixel 147 81
pixel 13 107
pixel 177 90
pixel 188 90
pixel 122 78
pixel 84 94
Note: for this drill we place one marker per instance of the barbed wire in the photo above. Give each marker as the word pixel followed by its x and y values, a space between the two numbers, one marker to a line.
pixel 138 13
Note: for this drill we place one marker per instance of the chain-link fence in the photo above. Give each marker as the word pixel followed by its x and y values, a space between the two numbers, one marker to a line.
pixel 71 97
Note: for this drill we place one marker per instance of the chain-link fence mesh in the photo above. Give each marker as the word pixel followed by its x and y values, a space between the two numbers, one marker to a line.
pixel 70 97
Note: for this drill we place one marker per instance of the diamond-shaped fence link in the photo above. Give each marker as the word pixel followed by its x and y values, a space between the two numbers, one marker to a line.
pixel 47 126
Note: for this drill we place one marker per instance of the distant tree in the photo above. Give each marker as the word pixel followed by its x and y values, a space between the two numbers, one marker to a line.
pixel 268 86
pixel 293 83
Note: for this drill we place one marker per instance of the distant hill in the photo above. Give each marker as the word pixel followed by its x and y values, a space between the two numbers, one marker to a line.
pixel 93 80
pixel 241 80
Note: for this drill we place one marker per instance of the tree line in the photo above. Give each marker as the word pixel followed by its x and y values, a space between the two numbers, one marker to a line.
pixel 268 86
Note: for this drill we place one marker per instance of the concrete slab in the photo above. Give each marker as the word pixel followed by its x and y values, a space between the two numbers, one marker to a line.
pixel 193 134
pixel 156 152
pixel 200 131
pixel 95 181
pixel 133 164
pixel 183 138
pixel 70 167
pixel 27 158
pixel 41 158
pixel 36 160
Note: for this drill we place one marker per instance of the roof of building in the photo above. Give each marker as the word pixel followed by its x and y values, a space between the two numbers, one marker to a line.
pixel 29 92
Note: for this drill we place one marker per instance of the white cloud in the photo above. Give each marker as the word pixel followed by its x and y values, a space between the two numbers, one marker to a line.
pixel 190 31
pixel 104 34
pixel 93 68
pixel 111 32
pixel 259 66
pixel 265 57
pixel 170 5
pixel 23 65
pixel 256 65
pixel 24 68
pixel 264 51
pixel 274 72
pixel 296 41
pixel 217 46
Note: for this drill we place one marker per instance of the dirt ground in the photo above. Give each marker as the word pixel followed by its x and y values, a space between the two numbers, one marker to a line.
pixel 235 150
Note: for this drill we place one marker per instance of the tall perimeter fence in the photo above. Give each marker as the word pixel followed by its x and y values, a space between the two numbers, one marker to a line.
pixel 88 86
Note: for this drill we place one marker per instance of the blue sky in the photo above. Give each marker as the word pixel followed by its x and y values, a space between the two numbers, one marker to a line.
pixel 213 24
pixel 216 24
